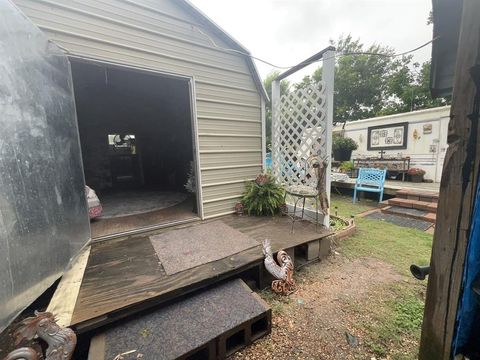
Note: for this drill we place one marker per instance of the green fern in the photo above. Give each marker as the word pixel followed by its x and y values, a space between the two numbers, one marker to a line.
pixel 263 196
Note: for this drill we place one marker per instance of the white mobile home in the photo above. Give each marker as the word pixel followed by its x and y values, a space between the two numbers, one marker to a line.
pixel 423 138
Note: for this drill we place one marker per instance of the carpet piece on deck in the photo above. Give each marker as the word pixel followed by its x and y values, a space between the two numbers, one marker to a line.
pixel 183 249
pixel 401 220
pixel 175 330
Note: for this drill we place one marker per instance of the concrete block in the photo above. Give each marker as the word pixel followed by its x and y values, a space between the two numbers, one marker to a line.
pixel 313 250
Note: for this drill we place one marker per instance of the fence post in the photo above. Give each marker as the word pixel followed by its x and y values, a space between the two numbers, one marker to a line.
pixel 276 165
pixel 328 76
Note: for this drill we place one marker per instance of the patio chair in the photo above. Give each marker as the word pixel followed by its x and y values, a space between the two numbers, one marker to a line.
pixel 370 180
pixel 302 191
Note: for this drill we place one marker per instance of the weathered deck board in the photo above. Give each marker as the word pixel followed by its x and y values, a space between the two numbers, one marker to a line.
pixel 124 275
pixel 277 229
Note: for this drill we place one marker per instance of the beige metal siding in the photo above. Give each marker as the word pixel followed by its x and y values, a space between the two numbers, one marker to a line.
pixel 160 35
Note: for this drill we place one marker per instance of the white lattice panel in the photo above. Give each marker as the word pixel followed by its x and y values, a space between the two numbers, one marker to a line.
pixel 299 131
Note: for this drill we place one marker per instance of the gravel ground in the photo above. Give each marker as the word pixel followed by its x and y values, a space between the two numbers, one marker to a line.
pixel 315 321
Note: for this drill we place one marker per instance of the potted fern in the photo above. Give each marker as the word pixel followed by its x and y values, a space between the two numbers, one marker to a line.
pixel 263 196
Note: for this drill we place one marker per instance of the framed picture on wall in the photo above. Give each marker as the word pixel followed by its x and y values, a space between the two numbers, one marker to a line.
pixel 388 137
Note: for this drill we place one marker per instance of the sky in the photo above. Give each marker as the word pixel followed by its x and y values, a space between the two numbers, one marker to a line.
pixel 285 32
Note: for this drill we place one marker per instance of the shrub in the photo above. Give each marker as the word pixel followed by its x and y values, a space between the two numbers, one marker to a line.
pixel 346 166
pixel 263 196
pixel 343 143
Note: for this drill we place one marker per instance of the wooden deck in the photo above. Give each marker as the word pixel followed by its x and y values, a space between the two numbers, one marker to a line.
pixel 123 276
pixel 392 186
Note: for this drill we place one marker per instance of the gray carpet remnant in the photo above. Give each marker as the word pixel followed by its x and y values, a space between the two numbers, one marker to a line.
pixel 183 249
pixel 184 325
pixel 401 220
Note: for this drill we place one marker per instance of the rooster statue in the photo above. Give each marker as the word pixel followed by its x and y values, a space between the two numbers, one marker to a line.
pixel 61 341
pixel 283 271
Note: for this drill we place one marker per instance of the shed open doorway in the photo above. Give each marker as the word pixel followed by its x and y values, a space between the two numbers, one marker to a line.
pixel 136 135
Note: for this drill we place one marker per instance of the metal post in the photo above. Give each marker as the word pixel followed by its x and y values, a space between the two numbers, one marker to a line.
pixel 328 75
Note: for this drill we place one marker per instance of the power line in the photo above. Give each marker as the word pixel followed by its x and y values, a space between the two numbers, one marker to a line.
pixel 314 61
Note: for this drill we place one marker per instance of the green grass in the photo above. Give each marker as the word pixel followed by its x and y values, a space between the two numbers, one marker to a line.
pixel 396 323
pixel 396 245
pixel 344 206
pixel 395 313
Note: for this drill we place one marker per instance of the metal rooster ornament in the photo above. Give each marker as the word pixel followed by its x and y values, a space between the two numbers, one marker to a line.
pixel 283 271
pixel 61 341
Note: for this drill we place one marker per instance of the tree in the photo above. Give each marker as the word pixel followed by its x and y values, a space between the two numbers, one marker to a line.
pixel 414 95
pixel 284 88
pixel 370 82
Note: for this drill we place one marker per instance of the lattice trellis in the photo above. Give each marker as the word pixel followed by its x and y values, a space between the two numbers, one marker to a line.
pixel 299 131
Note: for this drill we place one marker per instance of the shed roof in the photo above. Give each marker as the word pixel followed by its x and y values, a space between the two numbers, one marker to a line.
pixel 447 15
pixel 236 46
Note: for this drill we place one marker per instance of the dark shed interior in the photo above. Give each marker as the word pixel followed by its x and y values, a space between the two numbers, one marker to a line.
pixel 136 137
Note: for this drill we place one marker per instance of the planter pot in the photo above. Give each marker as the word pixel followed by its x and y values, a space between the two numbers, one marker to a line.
pixel 416 178
pixel 239 209
pixel 342 155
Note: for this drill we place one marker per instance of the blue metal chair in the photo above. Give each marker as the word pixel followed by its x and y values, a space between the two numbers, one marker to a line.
pixel 370 180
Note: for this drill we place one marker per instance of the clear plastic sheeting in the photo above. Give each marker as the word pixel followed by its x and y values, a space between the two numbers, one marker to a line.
pixel 43 212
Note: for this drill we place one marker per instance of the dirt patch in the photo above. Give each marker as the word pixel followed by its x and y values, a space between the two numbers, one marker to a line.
pixel 313 323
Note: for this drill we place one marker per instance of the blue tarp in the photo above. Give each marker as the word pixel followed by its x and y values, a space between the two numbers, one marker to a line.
pixel 468 315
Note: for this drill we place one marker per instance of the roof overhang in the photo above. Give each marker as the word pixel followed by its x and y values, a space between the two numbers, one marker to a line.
pixel 447 15
pixel 216 29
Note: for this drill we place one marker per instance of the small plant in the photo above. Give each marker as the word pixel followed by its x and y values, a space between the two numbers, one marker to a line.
pixel 346 166
pixel 191 184
pixel 416 172
pixel 263 196
pixel 336 224
pixel 342 143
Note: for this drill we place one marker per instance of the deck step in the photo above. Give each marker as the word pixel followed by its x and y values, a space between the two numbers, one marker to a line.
pixel 414 204
pixel 418 195
pixel 411 213
pixel 383 204
pixel 211 325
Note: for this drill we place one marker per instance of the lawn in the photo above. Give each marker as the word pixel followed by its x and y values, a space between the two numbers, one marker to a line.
pixel 393 244
pixel 397 323
pixel 363 292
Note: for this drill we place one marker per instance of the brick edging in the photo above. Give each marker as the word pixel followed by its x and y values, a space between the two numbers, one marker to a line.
pixel 346 231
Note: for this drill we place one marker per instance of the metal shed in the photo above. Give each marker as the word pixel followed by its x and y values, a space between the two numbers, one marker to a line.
pixel 48 49
pixel 174 38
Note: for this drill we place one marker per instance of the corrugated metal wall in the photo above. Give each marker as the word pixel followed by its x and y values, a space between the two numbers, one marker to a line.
pixel 159 35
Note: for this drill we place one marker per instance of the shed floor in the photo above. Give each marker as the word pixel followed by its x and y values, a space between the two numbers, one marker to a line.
pixel 135 202
pixel 123 276
pixel 101 227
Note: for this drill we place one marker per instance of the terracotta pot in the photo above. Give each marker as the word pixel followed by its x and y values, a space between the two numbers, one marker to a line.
pixel 239 209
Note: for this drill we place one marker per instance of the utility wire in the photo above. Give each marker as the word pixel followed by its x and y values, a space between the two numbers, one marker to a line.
pixel 314 61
